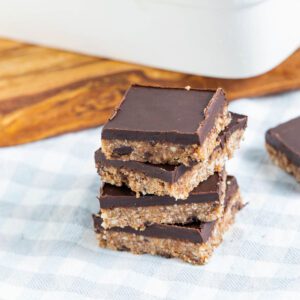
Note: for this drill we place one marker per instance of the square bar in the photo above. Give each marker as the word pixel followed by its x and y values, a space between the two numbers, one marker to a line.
pixel 120 207
pixel 165 125
pixel 283 146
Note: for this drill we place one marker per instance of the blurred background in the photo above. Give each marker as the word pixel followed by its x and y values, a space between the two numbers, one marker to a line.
pixel 66 64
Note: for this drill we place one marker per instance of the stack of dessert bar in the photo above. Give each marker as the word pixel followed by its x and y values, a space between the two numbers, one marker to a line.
pixel 162 161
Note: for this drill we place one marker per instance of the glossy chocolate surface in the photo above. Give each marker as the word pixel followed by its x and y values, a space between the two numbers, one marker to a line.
pixel 175 115
pixel 285 138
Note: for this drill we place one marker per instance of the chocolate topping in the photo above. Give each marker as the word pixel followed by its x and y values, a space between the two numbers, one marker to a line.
pixel 174 115
pixel 195 232
pixel 169 173
pixel 207 191
pixel 237 122
pixel 286 139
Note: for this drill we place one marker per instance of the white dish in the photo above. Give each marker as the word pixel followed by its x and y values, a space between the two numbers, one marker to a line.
pixel 219 38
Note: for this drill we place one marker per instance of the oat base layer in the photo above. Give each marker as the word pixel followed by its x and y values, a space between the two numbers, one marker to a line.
pixel 139 216
pixel 283 162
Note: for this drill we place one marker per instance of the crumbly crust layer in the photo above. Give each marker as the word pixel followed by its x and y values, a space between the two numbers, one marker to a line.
pixel 281 160
pixel 190 252
pixel 137 217
pixel 168 153
pixel 140 183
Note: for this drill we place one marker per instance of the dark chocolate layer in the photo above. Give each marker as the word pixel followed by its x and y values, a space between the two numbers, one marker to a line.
pixel 207 191
pixel 174 115
pixel 168 173
pixel 238 122
pixel 195 232
pixel 285 138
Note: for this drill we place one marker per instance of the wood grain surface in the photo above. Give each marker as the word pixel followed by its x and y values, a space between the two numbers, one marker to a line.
pixel 47 92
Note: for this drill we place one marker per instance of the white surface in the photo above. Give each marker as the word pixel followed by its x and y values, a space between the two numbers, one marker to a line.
pixel 48 249
pixel 221 38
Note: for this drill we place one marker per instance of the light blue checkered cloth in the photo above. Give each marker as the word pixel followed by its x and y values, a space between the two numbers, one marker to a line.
pixel 48 248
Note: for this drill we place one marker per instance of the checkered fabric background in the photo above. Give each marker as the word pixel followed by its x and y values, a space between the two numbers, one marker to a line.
pixel 48 249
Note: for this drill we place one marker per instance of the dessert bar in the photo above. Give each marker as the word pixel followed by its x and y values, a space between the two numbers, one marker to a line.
pixel 165 125
pixel 121 208
pixel 283 146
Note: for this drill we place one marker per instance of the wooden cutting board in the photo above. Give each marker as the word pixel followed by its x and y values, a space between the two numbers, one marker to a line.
pixel 47 92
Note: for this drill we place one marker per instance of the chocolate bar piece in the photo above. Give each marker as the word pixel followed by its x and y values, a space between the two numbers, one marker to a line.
pixel 193 242
pixel 120 207
pixel 165 125
pixel 283 146
pixel 175 181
